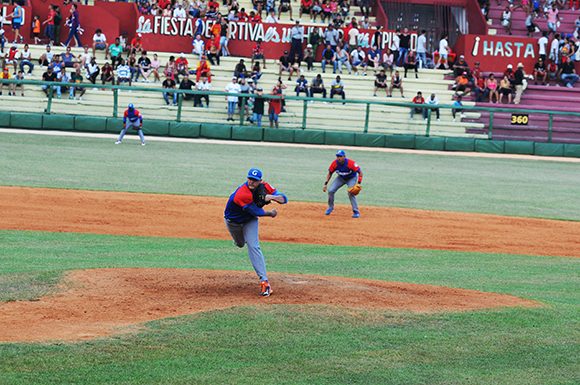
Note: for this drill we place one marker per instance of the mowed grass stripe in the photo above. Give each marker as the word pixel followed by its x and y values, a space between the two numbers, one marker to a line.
pixel 499 186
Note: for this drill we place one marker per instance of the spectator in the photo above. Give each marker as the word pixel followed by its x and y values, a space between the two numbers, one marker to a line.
pixel 77 78
pixel 224 38
pixel 314 40
pixel 255 18
pixel 48 76
pixel 107 74
pixel 115 52
pixel 329 56
pixel 232 88
pixel 68 58
pixel 432 101
pixel 46 58
pixel 12 57
pixel 243 100
pixel 272 19
pixel 5 75
pixel 93 70
pixel 443 52
pixel 331 37
pixel 553 18
pixel 411 63
pixel 36 29
pixel 493 88
pixel 509 72
pixel 133 66
pixel 458 107
pixel 297 36
pixel 258 53
pixel 26 59
pixel 155 65
pixel 123 73
pixel 394 45
pixel 479 88
pixel 57 64
pixel 57 22
pixel 275 107
pixel 285 6
pixel 301 86
pixel 202 85
pixel 256 72
pixel 381 82
pixel 73 23
pixel 460 66
pixel 555 49
pixel 100 43
pixel 136 45
pixel 326 12
pixel 64 78
pixel 181 66
pixel 203 68
pixel 169 84
pixel 542 46
pixel 240 71
pixel 186 85
pixel 505 89
pixel 462 85
pixel 506 20
pixel 520 83
pixel 17 18
pixel 305 8
pixel 388 61
pixel 374 58
pixel 396 82
pixel 358 58
pixel 418 100
pixel 530 25
pixel 19 76
pixel 343 58
pixel 179 12
pixel 198 46
pixel 258 108
pixel 213 52
pixel 85 57
pixel 170 68
pixel 316 11
pixel 404 46
pixel 144 67
pixel 353 37
pixel 284 64
pixel 568 73
pixel 337 88
pixel 309 57
pixel 49 22
pixel 540 72
pixel 365 7
pixel 295 67
pixel 317 86
pixel 422 49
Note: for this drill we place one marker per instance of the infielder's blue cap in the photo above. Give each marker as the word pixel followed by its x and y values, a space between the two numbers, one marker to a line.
pixel 340 153
pixel 131 106
pixel 255 174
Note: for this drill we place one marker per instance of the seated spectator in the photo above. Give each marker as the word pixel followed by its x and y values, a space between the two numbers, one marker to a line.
pixel 48 76
pixel 240 71
pixel 155 65
pixel 85 57
pixel 295 66
pixel 301 86
pixel 116 52
pixel 458 107
pixel 46 58
pixel 480 89
pixel 309 57
pixel 374 58
pixel 462 85
pixel 100 43
pixel 285 6
pixel 326 15
pixel 64 78
pixel 68 58
pixel 305 8
pixel 179 12
pixel 411 63
pixel 530 25
pixel 568 73
pixel 256 74
pixel 358 60
pixel 136 45
pixel 203 68
pixel 77 78
pixel 492 88
pixel 169 84
pixel 133 66
pixel 11 58
pixel 170 68
pixel 509 72
pixel 57 64
pixel 433 101
pixel 198 46
pixel 396 82
pixel 107 74
pixel 213 52
pixel 343 58
pixel 272 19
pixel 337 88
pixel 258 107
pixel 19 76
pixel 329 56
pixel 505 89
pixel 388 61
pixel 417 100
pixel 255 18
pixel 259 6
pixel 381 82
pixel 5 75
pixel 202 85
pixel 123 73
pixel 181 66
pixel 506 20
pixel 186 84
pixel 317 86
pixel 93 70
pixel 460 66
pixel 26 59
pixel 284 64
pixel 258 53
pixel 144 67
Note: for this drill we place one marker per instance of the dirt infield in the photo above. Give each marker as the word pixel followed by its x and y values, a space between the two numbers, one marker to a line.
pixel 201 217
pixel 101 302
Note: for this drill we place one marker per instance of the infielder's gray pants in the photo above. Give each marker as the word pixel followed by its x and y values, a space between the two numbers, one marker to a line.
pixel 243 233
pixel 337 183
pixel 135 125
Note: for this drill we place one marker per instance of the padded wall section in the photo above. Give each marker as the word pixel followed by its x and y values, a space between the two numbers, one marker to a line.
pixel 369 140
pixel 285 135
pixel 250 133
pixel 26 120
pixel 429 143
pixel 490 146
pixel 549 149
pixel 400 141
pixel 309 136
pixel 90 123
pixel 216 131
pixel 184 129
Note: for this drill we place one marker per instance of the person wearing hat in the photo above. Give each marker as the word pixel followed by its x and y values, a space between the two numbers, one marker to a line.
pixel 297 35
pixel 132 118
pixel 348 173
pixel 309 57
pixel 244 207
pixel 5 75
pixel 520 83
pixel 460 66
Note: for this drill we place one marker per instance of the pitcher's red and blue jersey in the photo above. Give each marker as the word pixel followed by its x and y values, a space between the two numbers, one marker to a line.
pixel 241 207
pixel 346 170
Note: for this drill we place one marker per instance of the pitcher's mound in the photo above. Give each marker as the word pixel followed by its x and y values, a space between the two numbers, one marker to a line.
pixel 101 302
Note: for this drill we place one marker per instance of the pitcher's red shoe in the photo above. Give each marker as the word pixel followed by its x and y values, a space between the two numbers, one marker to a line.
pixel 265 289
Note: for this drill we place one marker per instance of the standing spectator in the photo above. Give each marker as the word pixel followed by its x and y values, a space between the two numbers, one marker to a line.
pixel 155 65
pixel 169 84
pixel 331 37
pixel 542 46
pixel 123 73
pixel 275 107
pixel 353 37
pixel 93 70
pixel 17 18
pixel 520 83
pixel 505 89
pixel 458 107
pixel 418 100
pixel 73 22
pixel 492 86
pixel 100 43
pixel 329 56
pixel 568 73
pixel 530 25
pixel 309 57
pixel 115 52
pixel 337 88
pixel 5 75
pixel 314 40
pixel 26 59
pixel 198 46
pixel 224 38
pixel 258 53
pixel 317 87
pixel 422 49
pixel 506 20
pixel 301 86
pixel 388 61
pixel 36 29
pixel 404 46
pixel 411 63
pixel 144 67
pixel 433 101
pixel 77 78
pixel 381 82
pixel 297 35
pixel 57 24
pixel 365 7
pixel 232 88
pixel 555 49
pixel 553 18
pixel 540 72
pixel 202 85
pixel 394 45
pixel 396 82
pixel 258 109
pixel 443 52
pixel 187 85
pixel 49 22
pixel 132 118
pixel 203 68
pixel 378 37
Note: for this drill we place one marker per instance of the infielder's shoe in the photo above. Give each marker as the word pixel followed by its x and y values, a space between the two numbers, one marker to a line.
pixel 142 144
pixel 356 215
pixel 117 142
pixel 265 289
pixel 328 211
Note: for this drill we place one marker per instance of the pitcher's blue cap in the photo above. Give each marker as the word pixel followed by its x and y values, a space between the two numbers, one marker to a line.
pixel 255 174
pixel 340 153
pixel 131 106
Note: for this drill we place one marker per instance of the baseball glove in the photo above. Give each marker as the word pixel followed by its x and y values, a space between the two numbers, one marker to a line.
pixel 259 194
pixel 355 190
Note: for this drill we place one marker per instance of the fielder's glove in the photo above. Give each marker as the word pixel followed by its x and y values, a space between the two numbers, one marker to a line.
pixel 259 195
pixel 355 190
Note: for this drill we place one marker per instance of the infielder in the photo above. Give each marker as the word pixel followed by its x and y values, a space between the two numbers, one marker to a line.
pixel 348 173
pixel 241 217
pixel 132 118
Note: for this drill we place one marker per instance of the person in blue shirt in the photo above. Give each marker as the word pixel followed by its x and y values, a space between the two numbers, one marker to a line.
pixel 301 86
pixel 457 107
pixel 241 215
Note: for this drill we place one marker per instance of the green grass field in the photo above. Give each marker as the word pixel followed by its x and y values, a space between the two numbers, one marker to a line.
pixel 301 344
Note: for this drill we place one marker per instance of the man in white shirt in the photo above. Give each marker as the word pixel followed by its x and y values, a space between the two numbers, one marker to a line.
pixel 202 85
pixel 422 49
pixel 232 88
pixel 297 34
pixel 543 44
pixel 433 101
pixel 443 51
pixel 179 12
pixel 555 49
pixel 123 73
pixel 353 37
pixel 86 56
pixel 394 45
pixel 26 59
pixel 198 46
pixel 272 18
pixel 357 58
pixel 100 42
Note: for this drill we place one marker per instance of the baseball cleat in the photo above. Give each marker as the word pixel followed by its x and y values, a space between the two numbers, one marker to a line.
pixel 328 211
pixel 356 215
pixel 117 142
pixel 265 289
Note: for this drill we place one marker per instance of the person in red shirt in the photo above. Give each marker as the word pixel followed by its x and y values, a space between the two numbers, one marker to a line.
pixel 213 4
pixel 163 3
pixel 242 15
pixel 275 107
pixel 254 17
pixel 49 22
pixel 12 57
pixel 305 7
pixel 258 53
pixel 203 68
pixel 136 45
pixel 348 173
pixel 419 99
pixel 182 66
